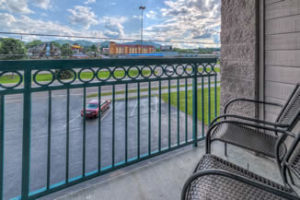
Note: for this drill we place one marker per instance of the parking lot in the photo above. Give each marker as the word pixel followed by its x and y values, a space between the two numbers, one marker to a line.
pixel 58 138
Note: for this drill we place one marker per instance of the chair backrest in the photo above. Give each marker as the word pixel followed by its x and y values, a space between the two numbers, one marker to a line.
pixel 291 162
pixel 291 109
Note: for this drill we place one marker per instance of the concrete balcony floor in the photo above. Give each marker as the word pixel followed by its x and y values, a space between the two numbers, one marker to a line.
pixel 162 177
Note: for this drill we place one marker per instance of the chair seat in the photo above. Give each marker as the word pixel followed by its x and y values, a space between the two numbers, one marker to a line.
pixel 214 187
pixel 248 138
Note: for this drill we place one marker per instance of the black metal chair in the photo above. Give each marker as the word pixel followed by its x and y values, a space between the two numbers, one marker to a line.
pixel 250 133
pixel 216 179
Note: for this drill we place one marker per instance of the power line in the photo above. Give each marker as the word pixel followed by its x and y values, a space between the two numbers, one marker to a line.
pixel 102 38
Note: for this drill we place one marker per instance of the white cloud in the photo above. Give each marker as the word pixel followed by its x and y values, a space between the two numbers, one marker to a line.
pixel 90 1
pixel 151 14
pixel 44 4
pixel 15 6
pixel 188 20
pixel 26 24
pixel 83 16
pixel 114 26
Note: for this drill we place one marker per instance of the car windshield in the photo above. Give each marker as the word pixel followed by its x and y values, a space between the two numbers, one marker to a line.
pixel 92 106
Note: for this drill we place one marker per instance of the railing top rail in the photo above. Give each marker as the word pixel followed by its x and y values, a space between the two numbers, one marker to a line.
pixel 86 63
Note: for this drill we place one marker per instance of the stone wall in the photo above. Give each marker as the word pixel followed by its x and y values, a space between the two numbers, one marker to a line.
pixel 239 53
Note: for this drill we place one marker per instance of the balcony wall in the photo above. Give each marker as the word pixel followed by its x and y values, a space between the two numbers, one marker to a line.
pixel 239 52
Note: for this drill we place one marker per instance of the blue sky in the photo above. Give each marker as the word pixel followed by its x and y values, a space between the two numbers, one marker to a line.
pixel 164 20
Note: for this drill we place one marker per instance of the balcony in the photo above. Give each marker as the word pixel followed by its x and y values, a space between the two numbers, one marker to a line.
pixel 162 177
pixel 156 106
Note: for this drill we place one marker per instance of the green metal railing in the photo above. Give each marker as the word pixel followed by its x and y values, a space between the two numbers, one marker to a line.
pixel 134 87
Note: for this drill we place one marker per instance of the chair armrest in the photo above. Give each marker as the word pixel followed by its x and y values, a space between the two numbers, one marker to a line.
pixel 250 100
pixel 250 119
pixel 239 178
pixel 283 131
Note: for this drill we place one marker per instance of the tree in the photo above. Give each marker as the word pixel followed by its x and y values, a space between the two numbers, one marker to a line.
pixel 33 43
pixel 56 44
pixel 11 49
pixel 94 48
pixel 66 50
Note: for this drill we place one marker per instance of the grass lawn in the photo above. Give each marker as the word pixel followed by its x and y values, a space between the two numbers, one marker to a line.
pixel 182 100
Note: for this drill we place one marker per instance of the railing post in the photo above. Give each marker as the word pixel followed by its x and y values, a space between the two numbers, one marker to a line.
pixel 2 102
pixel 26 133
pixel 195 109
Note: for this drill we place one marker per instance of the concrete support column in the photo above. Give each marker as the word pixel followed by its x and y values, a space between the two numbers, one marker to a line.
pixel 239 53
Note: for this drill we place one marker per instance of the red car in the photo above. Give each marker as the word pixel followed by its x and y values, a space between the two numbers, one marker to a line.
pixel 93 108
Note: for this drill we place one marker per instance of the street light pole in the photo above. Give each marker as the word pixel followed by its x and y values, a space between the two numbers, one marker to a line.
pixel 142 8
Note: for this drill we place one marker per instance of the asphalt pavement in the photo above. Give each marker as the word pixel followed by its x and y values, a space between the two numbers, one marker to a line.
pixel 39 138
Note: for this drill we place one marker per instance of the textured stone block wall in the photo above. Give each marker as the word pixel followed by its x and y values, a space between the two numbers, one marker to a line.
pixel 238 53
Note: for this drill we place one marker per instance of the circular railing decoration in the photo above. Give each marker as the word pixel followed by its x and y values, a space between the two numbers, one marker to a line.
pixel 189 70
pixel 146 72
pixel 169 70
pixel 207 68
pixel 213 68
pixel 10 79
pixel 119 73
pixel 179 70
pixel 44 77
pixel 103 74
pixel 133 72
pixel 66 76
pixel 86 75
pixel 158 71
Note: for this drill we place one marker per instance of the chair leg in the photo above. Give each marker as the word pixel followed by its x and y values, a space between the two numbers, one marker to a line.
pixel 291 177
pixel 225 149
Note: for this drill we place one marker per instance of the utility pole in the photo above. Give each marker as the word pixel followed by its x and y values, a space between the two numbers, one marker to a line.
pixel 142 8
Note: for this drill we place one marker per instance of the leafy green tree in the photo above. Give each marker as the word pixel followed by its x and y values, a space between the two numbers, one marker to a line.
pixel 33 43
pixel 12 49
pixel 66 50
pixel 56 44
pixel 94 48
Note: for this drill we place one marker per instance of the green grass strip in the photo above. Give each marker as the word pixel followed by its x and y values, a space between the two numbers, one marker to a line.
pixel 199 103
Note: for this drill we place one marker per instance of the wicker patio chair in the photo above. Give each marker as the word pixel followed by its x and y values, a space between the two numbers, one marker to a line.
pixel 246 133
pixel 218 179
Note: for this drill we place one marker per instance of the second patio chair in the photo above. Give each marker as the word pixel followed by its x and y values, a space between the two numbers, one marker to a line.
pixel 249 133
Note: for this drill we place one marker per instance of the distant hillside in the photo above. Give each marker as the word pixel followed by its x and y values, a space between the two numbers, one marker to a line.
pixel 156 45
pixel 83 43
pixel 104 44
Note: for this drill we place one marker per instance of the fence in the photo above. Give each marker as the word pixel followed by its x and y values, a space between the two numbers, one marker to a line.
pixel 157 105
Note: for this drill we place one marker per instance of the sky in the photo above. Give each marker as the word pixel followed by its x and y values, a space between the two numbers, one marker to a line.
pixel 177 22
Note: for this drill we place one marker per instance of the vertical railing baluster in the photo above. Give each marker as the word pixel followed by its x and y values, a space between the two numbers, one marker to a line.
pixel 2 111
pixel 216 97
pixel 138 121
pixel 149 118
pixel 26 133
pixel 113 125
pixel 186 110
pixel 209 98
pixel 169 114
pixel 178 113
pixel 49 138
pixel 126 123
pixel 159 116
pixel 67 135
pixel 195 121
pixel 202 105
pixel 99 129
pixel 84 131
